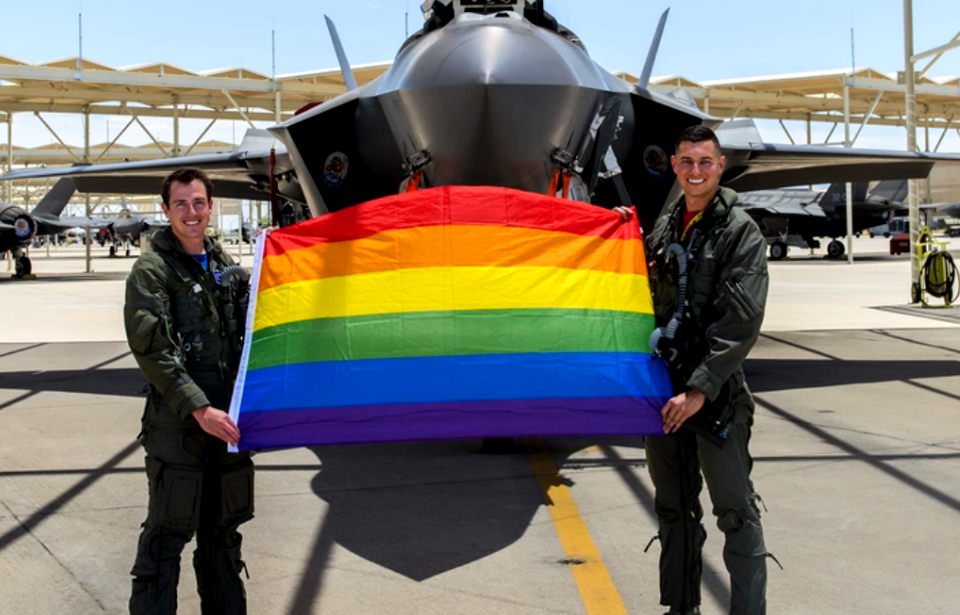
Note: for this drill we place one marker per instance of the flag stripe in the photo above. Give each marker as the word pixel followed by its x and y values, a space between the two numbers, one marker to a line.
pixel 453 246
pixel 456 206
pixel 452 288
pixel 430 334
pixel 453 379
pixel 446 421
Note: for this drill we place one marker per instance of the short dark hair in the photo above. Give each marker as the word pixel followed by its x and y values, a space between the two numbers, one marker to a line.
pixel 697 134
pixel 185 175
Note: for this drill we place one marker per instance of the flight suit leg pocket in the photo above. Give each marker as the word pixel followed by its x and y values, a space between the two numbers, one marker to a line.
pixel 175 496
pixel 236 488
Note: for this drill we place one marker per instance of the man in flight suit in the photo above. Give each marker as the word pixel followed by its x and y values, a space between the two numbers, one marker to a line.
pixel 723 298
pixel 184 321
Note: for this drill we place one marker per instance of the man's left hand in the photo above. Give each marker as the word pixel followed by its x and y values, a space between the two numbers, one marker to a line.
pixel 680 408
pixel 626 213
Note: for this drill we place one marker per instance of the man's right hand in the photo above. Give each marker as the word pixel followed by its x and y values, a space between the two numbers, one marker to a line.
pixel 625 212
pixel 218 424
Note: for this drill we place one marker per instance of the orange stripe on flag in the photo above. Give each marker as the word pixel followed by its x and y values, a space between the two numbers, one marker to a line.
pixel 454 246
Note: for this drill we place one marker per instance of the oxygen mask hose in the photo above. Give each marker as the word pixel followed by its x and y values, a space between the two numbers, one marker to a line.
pixel 231 272
pixel 670 330
pixel 939 275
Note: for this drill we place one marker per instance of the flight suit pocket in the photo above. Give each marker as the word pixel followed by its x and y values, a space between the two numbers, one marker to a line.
pixel 702 280
pixel 734 297
pixel 175 496
pixel 236 488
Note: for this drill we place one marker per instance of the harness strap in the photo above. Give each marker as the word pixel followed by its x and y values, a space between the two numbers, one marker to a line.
pixel 414 184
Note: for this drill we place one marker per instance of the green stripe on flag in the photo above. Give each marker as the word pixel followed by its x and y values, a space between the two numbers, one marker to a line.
pixel 450 333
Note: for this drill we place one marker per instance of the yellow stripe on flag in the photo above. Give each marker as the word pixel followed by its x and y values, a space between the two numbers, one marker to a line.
pixel 452 288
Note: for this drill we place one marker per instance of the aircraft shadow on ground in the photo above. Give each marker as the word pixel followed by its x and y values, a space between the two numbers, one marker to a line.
pixel 764 375
pixel 768 375
pixel 426 508
pixel 69 277
pixel 124 382
pixel 422 509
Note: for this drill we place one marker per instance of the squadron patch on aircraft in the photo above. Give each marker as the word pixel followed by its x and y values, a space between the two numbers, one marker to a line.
pixel 655 161
pixel 335 169
pixel 22 228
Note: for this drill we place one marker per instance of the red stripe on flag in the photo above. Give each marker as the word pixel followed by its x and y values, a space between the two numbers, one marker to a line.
pixel 455 205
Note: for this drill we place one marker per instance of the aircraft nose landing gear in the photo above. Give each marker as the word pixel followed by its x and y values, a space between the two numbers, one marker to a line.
pixel 836 249
pixel 778 251
pixel 23 268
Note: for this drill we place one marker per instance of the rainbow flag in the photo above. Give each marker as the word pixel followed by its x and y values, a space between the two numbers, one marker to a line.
pixel 454 312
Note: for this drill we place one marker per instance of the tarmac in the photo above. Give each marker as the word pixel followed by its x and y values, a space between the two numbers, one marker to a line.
pixel 856 447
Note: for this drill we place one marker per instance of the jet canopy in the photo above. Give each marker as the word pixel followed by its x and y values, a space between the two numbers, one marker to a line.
pixel 460 7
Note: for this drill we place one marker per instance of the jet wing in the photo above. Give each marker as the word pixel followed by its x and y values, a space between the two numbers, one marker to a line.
pixel 243 174
pixel 761 166
pixel 951 210
pixel 54 226
pixel 812 210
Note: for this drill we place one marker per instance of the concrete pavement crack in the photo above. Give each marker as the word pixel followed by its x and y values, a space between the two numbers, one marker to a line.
pixel 53 556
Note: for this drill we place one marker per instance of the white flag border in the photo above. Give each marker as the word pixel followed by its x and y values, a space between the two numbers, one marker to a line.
pixel 237 398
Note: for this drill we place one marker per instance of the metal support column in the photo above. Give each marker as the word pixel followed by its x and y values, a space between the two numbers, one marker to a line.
pixel 87 239
pixel 927 188
pixel 848 143
pixel 176 127
pixel 253 228
pixel 239 232
pixel 277 109
pixel 9 155
pixel 911 98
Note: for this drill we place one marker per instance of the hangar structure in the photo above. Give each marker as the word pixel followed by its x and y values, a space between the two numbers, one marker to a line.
pixel 847 99
pixel 84 88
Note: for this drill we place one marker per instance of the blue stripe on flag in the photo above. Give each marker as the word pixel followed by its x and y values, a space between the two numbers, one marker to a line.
pixel 454 378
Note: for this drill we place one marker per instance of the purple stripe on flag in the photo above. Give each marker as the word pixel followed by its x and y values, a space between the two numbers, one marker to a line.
pixel 606 416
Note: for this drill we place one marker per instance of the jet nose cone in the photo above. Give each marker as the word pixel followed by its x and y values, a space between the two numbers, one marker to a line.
pixel 491 49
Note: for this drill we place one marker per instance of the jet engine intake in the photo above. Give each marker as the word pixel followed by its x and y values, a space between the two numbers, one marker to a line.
pixel 21 227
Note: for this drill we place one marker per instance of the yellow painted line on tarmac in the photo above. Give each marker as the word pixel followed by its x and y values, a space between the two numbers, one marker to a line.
pixel 597 590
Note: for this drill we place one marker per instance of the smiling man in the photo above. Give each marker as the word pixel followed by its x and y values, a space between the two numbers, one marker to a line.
pixel 184 317
pixel 708 276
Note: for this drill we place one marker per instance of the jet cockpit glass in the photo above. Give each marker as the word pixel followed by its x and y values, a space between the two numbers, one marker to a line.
pixel 489 5
pixel 476 6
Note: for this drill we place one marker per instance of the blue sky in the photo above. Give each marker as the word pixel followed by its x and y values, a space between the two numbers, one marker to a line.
pixel 703 40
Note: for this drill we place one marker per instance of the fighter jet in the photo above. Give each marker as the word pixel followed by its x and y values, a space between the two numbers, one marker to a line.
pixel 18 227
pixel 799 217
pixel 491 92
pixel 123 230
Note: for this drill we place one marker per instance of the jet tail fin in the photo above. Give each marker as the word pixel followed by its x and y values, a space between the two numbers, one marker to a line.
pixel 654 48
pixel 836 194
pixel 348 77
pixel 53 203
pixel 257 140
pixel 891 190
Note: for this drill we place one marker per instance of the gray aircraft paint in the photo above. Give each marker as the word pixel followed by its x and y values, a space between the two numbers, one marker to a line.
pixel 490 99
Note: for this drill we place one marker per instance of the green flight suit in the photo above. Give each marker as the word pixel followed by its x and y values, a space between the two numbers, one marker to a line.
pixel 727 290
pixel 184 330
